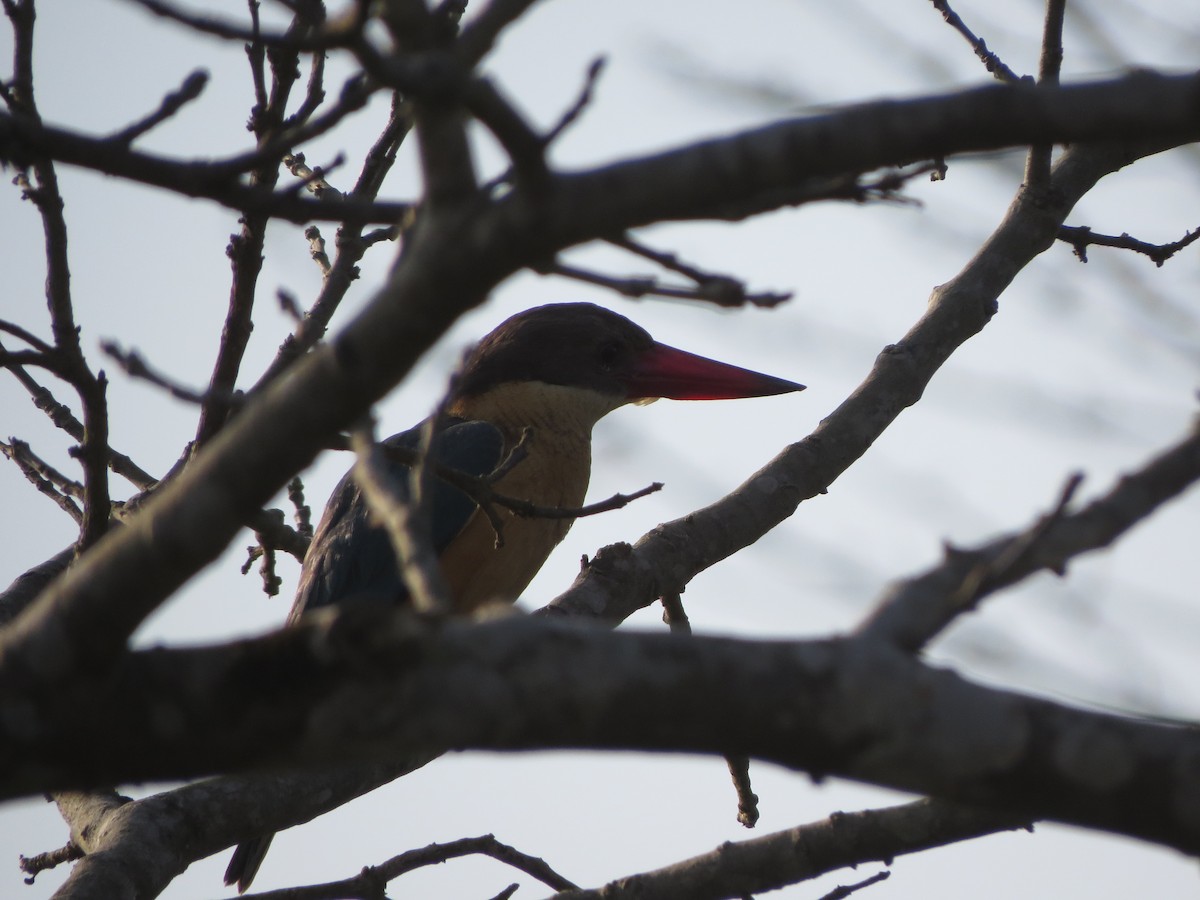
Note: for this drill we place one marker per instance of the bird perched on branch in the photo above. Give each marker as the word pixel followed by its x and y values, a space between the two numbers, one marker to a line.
pixel 549 373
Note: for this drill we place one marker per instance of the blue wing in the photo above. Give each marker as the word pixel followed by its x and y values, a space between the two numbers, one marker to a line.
pixel 350 555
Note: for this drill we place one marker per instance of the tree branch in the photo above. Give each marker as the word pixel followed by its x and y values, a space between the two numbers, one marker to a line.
pixel 919 608
pixel 856 708
pixel 740 869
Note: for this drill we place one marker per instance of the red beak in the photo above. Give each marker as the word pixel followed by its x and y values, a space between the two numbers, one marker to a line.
pixel 664 371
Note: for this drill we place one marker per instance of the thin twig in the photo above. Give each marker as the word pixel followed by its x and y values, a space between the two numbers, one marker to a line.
pixel 568 118
pixel 993 63
pixel 728 292
pixel 217 181
pixel 45 477
pixel 842 891
pixel 68 486
pixel 342 31
pixel 314 95
pixel 675 616
pixel 533 511
pixel 43 191
pixel 1000 567
pixel 723 290
pixel 565 121
pixel 191 89
pixel 245 250
pixel 135 366
pixel 1081 237
pixel 485 845
pixel 63 418
pixel 27 336
pixel 390 503
pixel 917 609
pixel 256 46
pixel 350 243
pixel 481 491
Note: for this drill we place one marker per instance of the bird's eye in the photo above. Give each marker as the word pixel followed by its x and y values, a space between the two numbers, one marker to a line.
pixel 610 355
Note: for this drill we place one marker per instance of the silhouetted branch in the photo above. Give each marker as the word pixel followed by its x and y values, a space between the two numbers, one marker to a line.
pixel 919 608
pixel 993 63
pixel 1081 237
pixel 190 90
pixel 369 884
pixel 857 708
pixel 135 366
pixel 48 480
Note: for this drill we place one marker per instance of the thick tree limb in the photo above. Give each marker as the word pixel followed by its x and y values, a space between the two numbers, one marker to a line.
pixel 856 139
pixel 369 682
pixel 133 851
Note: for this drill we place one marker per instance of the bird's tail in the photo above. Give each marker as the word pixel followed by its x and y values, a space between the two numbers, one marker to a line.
pixel 247 857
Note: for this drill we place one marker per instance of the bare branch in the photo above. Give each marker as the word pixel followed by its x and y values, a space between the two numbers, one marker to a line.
pixel 44 192
pixel 675 616
pixel 44 477
pixel 919 608
pixel 723 290
pixel 211 25
pixel 28 337
pixel 268 122
pixel 575 110
pixel 860 709
pixel 351 244
pixel 993 63
pixel 21 140
pixel 1037 163
pixel 1081 237
pixel 369 884
pixel 135 366
pixel 842 891
pixel 190 90
pixel 63 418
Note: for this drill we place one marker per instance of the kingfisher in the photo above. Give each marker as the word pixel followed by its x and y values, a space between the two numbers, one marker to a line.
pixel 550 374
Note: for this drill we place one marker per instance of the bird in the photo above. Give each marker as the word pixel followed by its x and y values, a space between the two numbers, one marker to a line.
pixel 549 373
